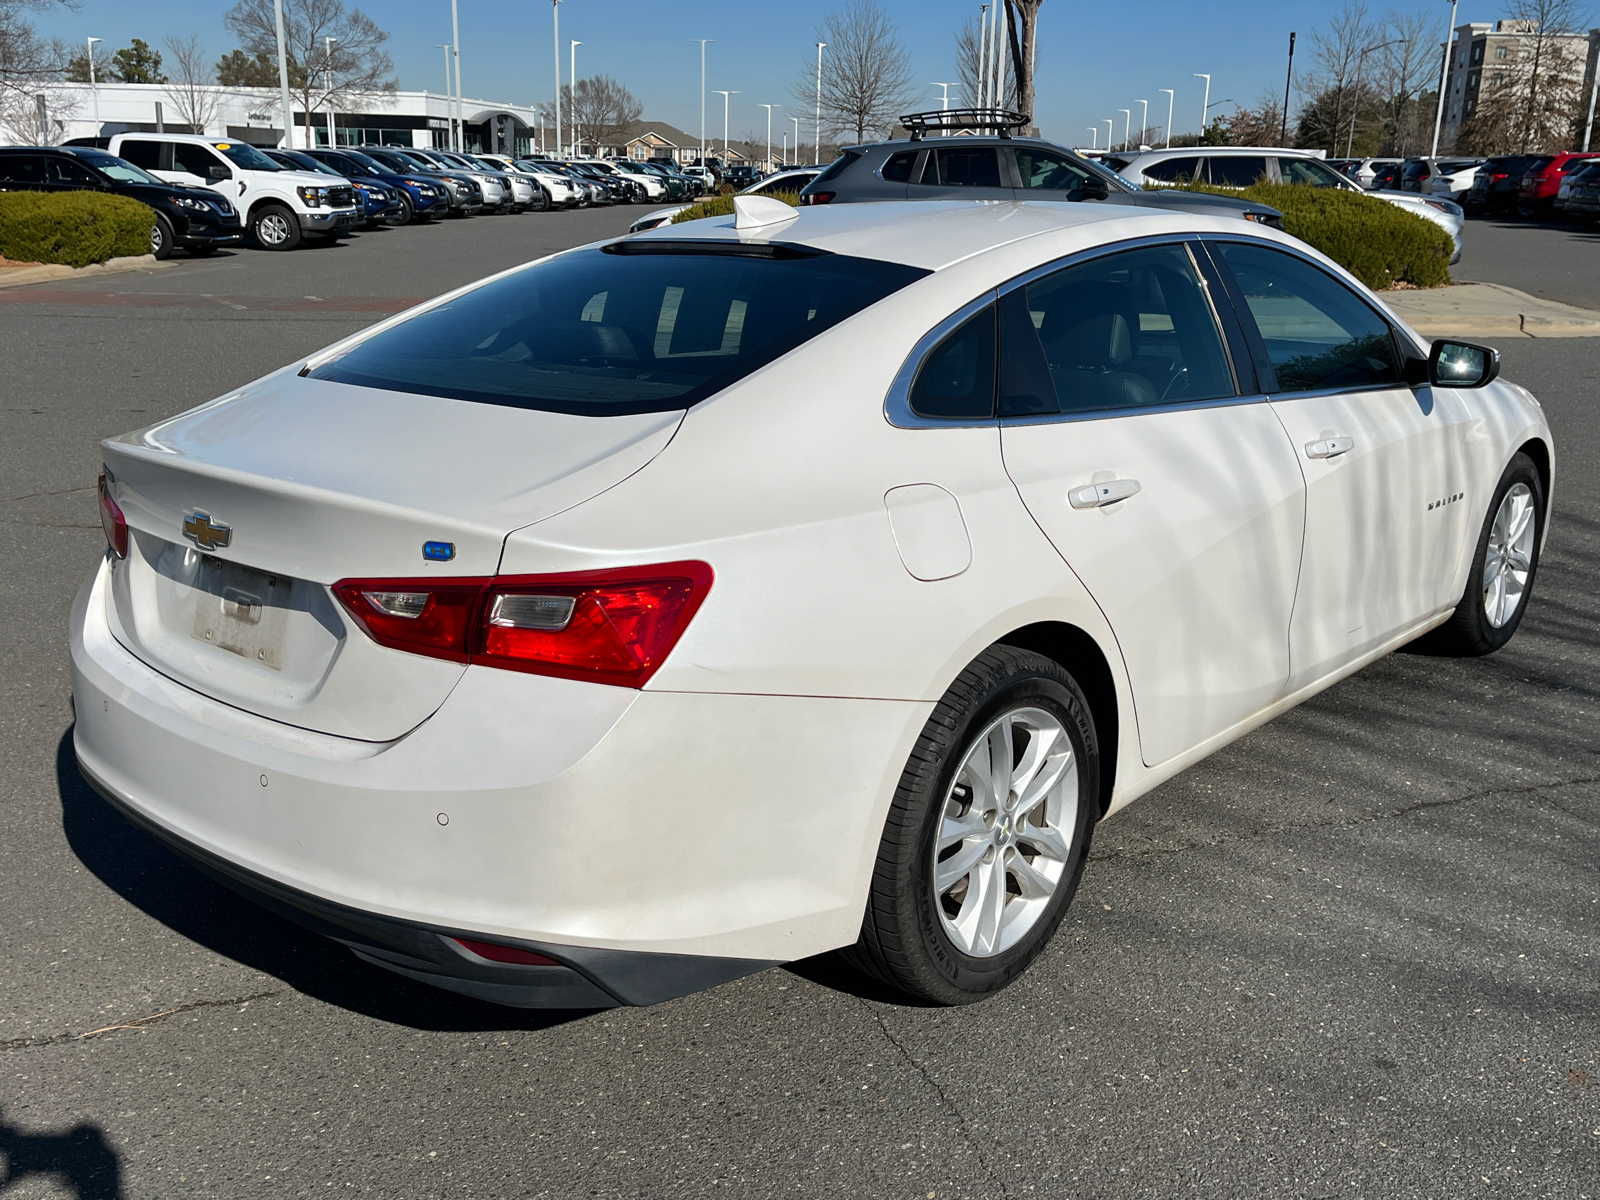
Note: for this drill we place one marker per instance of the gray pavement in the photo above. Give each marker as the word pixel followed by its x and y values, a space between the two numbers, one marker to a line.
pixel 1552 260
pixel 1354 954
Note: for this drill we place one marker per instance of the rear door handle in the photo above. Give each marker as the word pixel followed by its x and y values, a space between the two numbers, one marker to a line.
pixel 1330 447
pixel 1098 495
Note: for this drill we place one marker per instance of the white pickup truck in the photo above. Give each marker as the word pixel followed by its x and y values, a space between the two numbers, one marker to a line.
pixel 280 207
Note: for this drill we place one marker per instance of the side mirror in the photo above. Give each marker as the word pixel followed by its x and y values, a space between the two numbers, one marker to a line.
pixel 1094 188
pixel 218 172
pixel 1462 364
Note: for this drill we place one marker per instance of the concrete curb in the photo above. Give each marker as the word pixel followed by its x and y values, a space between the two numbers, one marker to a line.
pixel 19 276
pixel 1478 310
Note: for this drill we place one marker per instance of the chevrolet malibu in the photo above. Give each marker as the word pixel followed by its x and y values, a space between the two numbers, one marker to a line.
pixel 674 607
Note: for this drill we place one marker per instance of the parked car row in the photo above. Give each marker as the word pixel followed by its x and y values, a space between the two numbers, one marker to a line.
pixel 209 192
pixel 1527 185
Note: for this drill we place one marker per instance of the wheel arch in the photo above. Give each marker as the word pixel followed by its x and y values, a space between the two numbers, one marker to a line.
pixel 1080 655
pixel 261 202
pixel 1536 449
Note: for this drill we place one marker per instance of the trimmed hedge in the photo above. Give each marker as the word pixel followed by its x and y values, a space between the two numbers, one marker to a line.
pixel 73 228
pixel 722 206
pixel 1379 243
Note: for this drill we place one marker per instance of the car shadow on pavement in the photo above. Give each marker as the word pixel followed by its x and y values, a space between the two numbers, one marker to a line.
pixel 149 876
pixel 79 1160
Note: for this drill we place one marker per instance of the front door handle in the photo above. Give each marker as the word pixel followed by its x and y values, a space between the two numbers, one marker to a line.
pixel 1098 495
pixel 1330 447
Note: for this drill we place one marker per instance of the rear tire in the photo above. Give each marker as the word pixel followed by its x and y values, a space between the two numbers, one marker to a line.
pixel 969 884
pixel 1504 563
pixel 162 239
pixel 274 227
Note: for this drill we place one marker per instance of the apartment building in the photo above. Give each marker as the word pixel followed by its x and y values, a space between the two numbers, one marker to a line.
pixel 1485 56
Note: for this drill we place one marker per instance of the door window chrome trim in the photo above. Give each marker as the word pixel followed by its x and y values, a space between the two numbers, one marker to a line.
pixel 1132 410
pixel 897 408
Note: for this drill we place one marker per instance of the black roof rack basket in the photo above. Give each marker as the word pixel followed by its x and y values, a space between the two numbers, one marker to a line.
pixel 1003 121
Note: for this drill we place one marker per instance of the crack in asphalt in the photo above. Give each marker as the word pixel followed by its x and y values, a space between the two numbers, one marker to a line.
pixel 31 1043
pixel 1420 806
pixel 36 495
pixel 955 1111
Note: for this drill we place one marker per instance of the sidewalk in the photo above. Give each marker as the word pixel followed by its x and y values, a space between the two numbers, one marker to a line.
pixel 1474 310
pixel 13 276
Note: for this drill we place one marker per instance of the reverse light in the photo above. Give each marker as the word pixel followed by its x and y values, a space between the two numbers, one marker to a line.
pixel 112 520
pixel 615 626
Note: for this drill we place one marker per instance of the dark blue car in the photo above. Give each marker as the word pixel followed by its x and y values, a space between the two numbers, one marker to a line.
pixel 420 197
pixel 380 203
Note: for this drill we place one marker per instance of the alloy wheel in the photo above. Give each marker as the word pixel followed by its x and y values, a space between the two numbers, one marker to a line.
pixel 273 229
pixel 1508 557
pixel 1005 831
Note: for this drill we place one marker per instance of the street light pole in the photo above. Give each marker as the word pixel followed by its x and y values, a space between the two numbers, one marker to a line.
pixel 820 47
pixel 1444 78
pixel 445 46
pixel 796 121
pixel 555 12
pixel 944 101
pixel 1172 95
pixel 983 56
pixel 283 79
pixel 1127 119
pixel 769 108
pixel 1288 82
pixel 1144 119
pixel 327 76
pixel 1094 137
pixel 702 42
pixel 572 76
pixel 94 88
pixel 726 96
pixel 1205 106
pixel 455 51
pixel 1108 133
pixel 1594 92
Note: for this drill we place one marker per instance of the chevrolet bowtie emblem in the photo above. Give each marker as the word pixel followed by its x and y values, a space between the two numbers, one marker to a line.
pixel 200 529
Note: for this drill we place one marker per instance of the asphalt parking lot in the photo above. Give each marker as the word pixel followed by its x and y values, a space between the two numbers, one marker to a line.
pixel 1353 955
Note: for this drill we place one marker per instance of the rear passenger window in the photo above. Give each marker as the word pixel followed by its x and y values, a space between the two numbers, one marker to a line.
pixel 66 171
pixel 152 156
pixel 1175 170
pixel 976 167
pixel 898 168
pixel 21 168
pixel 1240 171
pixel 956 379
pixel 1319 334
pixel 1129 330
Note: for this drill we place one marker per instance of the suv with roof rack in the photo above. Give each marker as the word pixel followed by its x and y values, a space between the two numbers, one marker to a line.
pixel 990 163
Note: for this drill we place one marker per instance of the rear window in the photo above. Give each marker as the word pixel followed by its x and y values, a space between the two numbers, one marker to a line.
pixel 838 166
pixel 641 327
pixel 1174 170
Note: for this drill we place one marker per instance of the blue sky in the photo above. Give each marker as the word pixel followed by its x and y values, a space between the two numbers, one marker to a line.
pixel 1093 59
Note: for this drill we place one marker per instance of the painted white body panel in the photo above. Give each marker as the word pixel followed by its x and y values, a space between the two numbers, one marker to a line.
pixel 733 806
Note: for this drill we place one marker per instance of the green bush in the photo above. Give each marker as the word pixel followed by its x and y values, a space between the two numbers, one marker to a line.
pixel 74 228
pixel 722 206
pixel 1379 243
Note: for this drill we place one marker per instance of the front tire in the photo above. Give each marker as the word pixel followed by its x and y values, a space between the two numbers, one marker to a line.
pixel 1504 563
pixel 407 213
pixel 275 228
pixel 987 835
pixel 162 239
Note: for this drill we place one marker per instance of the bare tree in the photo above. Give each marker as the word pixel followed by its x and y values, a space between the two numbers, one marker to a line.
pixel 1258 126
pixel 194 98
pixel 1337 52
pixel 600 109
pixel 970 68
pixel 1405 69
pixel 866 72
pixel 29 65
pixel 339 51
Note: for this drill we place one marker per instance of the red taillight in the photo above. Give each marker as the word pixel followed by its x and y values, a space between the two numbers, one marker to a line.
pixel 817 197
pixel 112 521
pixel 615 626
pixel 424 616
pixel 506 954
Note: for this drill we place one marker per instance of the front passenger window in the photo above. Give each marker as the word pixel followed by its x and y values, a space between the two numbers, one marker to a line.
pixel 1319 334
pixel 197 160
pixel 1046 170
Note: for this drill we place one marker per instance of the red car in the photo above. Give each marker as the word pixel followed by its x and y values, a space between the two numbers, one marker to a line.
pixel 1537 196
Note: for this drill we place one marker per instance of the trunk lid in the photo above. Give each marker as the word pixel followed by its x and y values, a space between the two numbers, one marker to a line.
pixel 292 484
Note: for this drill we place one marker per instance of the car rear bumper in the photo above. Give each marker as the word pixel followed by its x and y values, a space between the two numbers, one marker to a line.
pixel 574 819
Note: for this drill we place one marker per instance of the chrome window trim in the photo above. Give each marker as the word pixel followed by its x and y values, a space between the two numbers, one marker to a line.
pixel 897 404
pixel 1101 414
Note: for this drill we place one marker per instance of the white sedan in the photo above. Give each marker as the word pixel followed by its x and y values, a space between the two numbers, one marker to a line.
pixel 666 609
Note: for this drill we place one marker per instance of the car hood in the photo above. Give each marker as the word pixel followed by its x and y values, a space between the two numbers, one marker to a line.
pixel 1199 202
